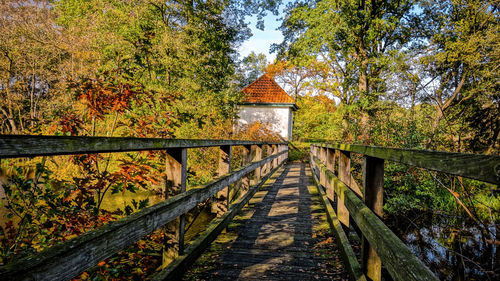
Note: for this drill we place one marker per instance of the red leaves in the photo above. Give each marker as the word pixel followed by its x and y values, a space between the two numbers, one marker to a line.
pixel 69 123
pixel 102 96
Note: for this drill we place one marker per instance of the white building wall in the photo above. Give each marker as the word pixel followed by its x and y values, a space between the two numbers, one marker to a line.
pixel 280 118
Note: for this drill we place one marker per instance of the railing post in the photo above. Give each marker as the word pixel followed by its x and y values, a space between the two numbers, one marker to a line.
pixel 282 157
pixel 345 177
pixel 256 156
pixel 275 160
pixel 247 158
pixel 175 183
pixel 330 159
pixel 322 155
pixel 330 164
pixel 373 193
pixel 224 168
pixel 267 166
pixel 287 151
pixel 313 148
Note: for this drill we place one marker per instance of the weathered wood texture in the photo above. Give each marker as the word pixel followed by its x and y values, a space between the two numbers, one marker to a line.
pixel 275 150
pixel 280 235
pixel 69 259
pixel 330 159
pixel 12 146
pixel 344 176
pixel 397 258
pixel 176 269
pixel 224 168
pixel 350 260
pixel 175 183
pixel 475 166
pixel 373 195
pixel 256 154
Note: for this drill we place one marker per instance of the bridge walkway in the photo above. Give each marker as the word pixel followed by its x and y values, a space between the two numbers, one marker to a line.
pixel 282 234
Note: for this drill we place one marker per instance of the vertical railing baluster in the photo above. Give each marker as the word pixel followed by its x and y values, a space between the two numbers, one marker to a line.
pixel 175 182
pixel 330 164
pixel 267 166
pixel 345 177
pixel 224 168
pixel 287 151
pixel 373 193
pixel 256 153
pixel 281 148
pixel 322 173
pixel 323 155
pixel 330 159
pixel 275 160
pixel 247 158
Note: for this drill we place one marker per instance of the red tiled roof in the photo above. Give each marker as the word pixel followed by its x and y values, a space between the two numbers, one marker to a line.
pixel 266 90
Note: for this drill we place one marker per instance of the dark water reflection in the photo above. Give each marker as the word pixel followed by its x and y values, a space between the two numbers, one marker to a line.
pixel 452 249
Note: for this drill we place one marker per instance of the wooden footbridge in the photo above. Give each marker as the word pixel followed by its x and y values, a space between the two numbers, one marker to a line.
pixel 274 231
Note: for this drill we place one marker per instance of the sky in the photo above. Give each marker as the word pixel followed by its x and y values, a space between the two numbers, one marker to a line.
pixel 261 41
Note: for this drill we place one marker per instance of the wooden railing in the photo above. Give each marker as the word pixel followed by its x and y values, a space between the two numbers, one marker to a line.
pixel 364 203
pixel 67 260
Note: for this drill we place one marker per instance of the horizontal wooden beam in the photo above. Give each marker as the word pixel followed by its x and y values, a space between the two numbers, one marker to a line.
pixel 176 269
pixel 66 260
pixel 475 166
pixel 13 146
pixel 397 258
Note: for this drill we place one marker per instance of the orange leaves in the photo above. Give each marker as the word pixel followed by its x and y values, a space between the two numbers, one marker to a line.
pixel 258 131
pixel 102 96
pixel 72 195
pixel 278 68
pixel 69 123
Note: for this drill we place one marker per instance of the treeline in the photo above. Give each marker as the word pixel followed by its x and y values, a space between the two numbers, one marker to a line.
pixel 134 68
pixel 114 68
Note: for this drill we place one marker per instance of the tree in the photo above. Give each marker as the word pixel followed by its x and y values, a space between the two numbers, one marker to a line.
pixel 250 68
pixel 461 60
pixel 296 80
pixel 30 63
pixel 354 39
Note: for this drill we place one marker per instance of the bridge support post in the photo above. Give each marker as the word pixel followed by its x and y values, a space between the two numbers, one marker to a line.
pixel 330 159
pixel 282 157
pixel 373 191
pixel 267 166
pixel 175 183
pixel 275 160
pixel 322 155
pixel 224 168
pixel 256 152
pixel 330 164
pixel 345 177
pixel 246 159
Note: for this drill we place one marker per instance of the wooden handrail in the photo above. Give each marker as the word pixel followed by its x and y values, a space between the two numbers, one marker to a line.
pixel 71 258
pixel 399 260
pixel 475 166
pixel 14 146
pixel 379 244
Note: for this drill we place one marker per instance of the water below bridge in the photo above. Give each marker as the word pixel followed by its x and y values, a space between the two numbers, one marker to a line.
pixel 282 234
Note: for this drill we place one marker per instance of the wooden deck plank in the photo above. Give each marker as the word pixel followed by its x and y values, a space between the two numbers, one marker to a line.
pixel 281 235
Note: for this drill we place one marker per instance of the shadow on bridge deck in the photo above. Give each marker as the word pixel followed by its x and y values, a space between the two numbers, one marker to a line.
pixel 281 235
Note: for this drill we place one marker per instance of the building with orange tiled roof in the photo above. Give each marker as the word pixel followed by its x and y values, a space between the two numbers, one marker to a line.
pixel 266 102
